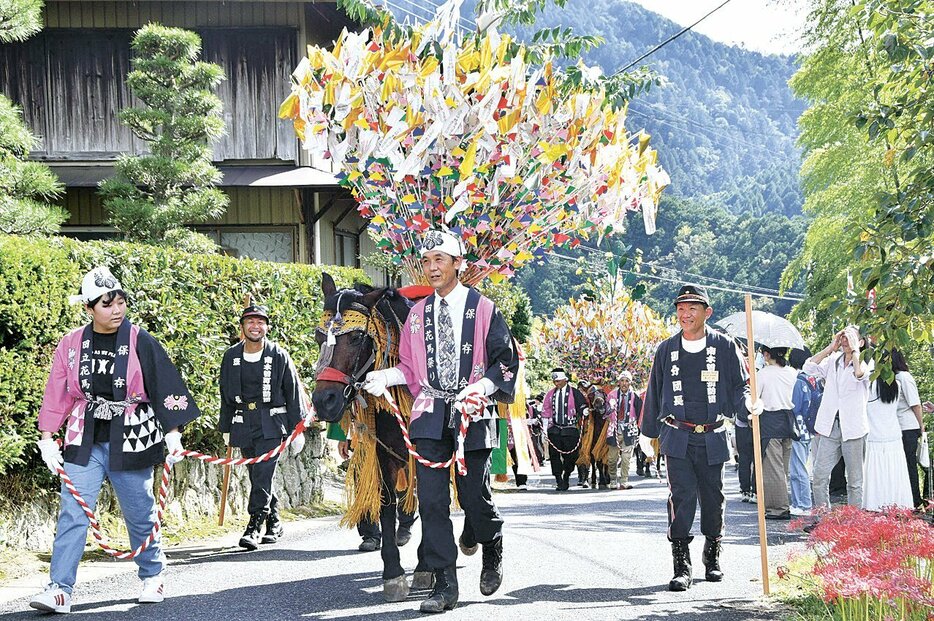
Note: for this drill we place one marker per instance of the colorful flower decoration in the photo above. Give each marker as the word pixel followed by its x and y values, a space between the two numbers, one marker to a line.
pixel 599 339
pixel 428 131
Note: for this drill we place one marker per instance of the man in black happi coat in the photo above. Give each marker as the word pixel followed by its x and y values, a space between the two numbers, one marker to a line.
pixel 698 380
pixel 260 405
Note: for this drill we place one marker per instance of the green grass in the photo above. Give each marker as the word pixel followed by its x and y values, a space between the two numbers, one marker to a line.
pixel 799 593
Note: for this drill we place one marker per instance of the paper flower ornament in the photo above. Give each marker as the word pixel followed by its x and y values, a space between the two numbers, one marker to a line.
pixel 599 339
pixel 428 130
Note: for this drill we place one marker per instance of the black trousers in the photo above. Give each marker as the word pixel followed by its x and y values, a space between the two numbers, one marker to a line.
pixel 910 439
pixel 562 465
pixel 482 520
pixel 691 480
pixel 262 498
pixel 371 530
pixel 745 450
pixel 521 479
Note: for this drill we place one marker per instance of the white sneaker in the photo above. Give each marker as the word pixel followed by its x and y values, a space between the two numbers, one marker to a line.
pixel 798 511
pixel 153 590
pixel 53 599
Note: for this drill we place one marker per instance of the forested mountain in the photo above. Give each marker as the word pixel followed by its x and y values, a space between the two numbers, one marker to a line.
pixel 693 239
pixel 724 122
pixel 724 119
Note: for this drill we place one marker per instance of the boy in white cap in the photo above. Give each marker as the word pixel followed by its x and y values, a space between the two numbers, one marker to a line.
pixel 121 402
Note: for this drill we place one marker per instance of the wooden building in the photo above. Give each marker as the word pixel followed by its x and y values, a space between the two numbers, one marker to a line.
pixel 70 80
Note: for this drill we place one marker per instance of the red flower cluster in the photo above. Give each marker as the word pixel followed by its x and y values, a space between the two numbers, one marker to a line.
pixel 885 560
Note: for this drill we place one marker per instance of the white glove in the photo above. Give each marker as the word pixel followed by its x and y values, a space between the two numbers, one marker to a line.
pixel 645 443
pixel 226 439
pixel 173 444
pixel 298 444
pixel 754 408
pixel 51 454
pixel 376 382
pixel 586 412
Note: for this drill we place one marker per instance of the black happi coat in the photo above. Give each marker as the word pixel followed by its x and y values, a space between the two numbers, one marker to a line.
pixel 660 402
pixel 280 407
pixel 165 404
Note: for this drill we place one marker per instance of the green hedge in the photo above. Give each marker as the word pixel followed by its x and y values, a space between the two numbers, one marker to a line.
pixel 190 303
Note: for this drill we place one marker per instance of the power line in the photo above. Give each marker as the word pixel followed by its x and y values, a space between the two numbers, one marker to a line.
pixel 670 39
pixel 682 282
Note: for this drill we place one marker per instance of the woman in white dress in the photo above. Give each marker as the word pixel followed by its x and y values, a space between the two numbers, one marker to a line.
pixel 885 474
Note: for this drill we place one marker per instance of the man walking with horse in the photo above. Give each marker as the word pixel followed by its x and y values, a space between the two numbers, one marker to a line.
pixel 260 405
pixel 562 409
pixel 455 344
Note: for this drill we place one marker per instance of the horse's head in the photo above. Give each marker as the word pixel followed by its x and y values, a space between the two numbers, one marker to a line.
pixel 346 344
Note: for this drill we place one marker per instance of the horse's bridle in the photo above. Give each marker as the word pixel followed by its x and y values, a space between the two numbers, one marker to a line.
pixel 338 325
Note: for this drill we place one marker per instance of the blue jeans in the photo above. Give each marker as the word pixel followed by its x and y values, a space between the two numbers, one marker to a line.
pixel 798 475
pixel 134 493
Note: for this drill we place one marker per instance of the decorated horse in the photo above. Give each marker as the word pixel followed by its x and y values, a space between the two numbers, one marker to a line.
pixel 592 459
pixel 359 332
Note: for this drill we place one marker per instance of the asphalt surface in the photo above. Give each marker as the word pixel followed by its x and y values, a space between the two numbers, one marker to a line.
pixel 582 554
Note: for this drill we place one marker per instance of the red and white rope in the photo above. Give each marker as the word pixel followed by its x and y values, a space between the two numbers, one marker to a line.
pixel 477 401
pixel 164 491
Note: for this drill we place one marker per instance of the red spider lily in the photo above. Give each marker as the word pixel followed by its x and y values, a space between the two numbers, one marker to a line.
pixel 874 564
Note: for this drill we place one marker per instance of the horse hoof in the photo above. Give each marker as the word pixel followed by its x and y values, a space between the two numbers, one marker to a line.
pixel 423 580
pixel 395 589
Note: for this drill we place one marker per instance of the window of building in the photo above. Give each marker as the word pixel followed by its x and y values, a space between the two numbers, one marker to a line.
pixel 346 248
pixel 275 244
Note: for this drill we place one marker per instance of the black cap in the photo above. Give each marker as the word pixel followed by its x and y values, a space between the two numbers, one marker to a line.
pixel 254 310
pixel 692 293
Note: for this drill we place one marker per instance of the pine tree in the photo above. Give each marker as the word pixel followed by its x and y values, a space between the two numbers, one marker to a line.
pixel 153 196
pixel 25 187
pixel 19 19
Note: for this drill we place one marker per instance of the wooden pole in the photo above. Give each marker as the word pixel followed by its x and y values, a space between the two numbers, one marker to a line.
pixel 225 486
pixel 757 448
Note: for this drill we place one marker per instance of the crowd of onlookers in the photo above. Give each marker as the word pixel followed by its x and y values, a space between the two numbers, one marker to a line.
pixel 827 427
pixel 824 409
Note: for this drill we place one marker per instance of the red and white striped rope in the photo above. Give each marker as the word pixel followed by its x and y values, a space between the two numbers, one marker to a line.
pixel 164 491
pixel 477 401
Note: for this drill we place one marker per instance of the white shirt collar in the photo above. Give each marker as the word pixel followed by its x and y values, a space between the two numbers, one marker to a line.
pixel 456 296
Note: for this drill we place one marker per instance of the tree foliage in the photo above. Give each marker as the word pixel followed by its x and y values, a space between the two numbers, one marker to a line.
pixel 869 171
pixel 695 241
pixel 19 19
pixel 153 195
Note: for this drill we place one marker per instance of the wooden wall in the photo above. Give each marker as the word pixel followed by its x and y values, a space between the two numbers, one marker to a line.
pixel 72 14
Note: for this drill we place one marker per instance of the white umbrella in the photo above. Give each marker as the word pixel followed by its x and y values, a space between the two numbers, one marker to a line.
pixel 770 330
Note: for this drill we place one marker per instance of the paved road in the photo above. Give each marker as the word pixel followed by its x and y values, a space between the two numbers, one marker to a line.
pixel 579 555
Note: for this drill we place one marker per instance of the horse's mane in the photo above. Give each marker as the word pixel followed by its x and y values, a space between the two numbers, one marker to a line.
pixel 392 305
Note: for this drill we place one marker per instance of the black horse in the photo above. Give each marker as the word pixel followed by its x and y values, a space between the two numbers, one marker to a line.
pixel 360 330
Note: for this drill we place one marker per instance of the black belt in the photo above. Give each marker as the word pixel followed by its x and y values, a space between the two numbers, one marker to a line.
pixel 692 427
pixel 253 406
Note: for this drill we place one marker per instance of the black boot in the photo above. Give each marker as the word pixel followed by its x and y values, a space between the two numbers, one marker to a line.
pixel 468 548
pixel 491 576
pixel 274 528
pixel 681 554
pixel 712 560
pixel 251 536
pixel 444 594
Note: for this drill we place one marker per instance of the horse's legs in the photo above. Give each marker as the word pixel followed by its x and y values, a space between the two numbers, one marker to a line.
pixel 395 586
pixel 392 567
